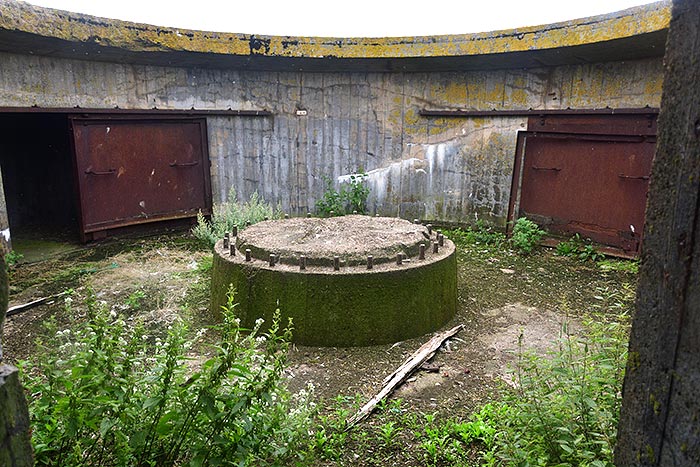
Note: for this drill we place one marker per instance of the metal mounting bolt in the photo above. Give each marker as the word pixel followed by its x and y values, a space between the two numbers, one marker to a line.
pixel 247 255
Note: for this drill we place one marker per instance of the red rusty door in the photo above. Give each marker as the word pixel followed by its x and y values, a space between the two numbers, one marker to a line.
pixel 136 171
pixel 594 185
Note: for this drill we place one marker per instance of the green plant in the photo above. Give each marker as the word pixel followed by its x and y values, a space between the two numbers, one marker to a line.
pixel 526 235
pixel 13 257
pixel 233 213
pixel 332 201
pixel 479 234
pixel 105 393
pixel 442 442
pixel 388 433
pixel 351 197
pixel 623 265
pixel 356 193
pixel 577 247
pixel 565 407
pixel 135 300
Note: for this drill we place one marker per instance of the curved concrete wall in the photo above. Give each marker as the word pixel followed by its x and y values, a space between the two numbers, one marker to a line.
pixel 362 98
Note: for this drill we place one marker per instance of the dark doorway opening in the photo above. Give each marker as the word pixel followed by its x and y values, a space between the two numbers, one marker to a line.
pixel 38 176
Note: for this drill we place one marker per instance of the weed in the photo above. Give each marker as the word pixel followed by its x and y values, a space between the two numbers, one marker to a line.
pixel 526 235
pixel 479 234
pixel 443 443
pixel 13 258
pixel 565 407
pixel 351 197
pixel 623 265
pixel 332 201
pixel 388 433
pixel 101 394
pixel 578 248
pixel 135 300
pixel 614 301
pixel 356 194
pixel 232 213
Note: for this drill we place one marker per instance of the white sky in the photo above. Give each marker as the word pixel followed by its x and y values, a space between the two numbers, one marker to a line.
pixel 338 18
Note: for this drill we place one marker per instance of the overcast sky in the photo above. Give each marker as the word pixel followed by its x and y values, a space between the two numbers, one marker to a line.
pixel 366 18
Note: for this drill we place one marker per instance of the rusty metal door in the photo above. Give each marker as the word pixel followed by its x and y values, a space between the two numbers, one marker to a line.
pixel 594 185
pixel 132 171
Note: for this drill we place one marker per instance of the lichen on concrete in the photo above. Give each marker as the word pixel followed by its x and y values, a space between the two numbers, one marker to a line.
pixel 104 32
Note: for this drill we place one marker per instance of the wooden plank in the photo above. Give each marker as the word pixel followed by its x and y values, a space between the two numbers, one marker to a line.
pixel 391 382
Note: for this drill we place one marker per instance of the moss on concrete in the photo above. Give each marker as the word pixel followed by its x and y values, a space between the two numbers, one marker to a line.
pixel 343 309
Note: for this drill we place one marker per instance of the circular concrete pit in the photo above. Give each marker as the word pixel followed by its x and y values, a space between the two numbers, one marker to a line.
pixel 344 281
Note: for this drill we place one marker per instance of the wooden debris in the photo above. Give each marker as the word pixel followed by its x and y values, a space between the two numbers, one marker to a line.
pixel 392 381
pixel 29 305
pixel 431 367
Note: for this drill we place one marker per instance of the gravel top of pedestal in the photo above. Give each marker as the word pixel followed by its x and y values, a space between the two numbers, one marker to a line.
pixel 352 238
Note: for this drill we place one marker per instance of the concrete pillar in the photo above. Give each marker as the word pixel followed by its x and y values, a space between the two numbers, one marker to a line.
pixel 15 446
pixel 660 418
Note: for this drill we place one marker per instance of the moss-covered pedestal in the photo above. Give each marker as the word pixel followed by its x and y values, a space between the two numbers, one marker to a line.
pixel 350 306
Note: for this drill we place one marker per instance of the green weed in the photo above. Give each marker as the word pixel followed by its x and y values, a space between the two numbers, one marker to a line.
pixel 13 258
pixel 233 213
pixel 352 197
pixel 135 300
pixel 526 235
pixel 479 234
pixel 565 407
pixel 102 393
pixel 578 248
pixel 622 265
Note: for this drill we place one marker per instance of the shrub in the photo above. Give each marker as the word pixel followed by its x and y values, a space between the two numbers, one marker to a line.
pixel 107 394
pixel 232 213
pixel 526 235
pixel 351 197
pixel 565 407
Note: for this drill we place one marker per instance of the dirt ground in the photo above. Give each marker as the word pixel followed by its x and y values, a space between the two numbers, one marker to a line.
pixel 504 299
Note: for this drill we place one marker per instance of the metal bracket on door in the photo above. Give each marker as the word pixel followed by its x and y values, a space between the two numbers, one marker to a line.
pixel 89 171
pixel 183 164
pixel 555 169
pixel 631 177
